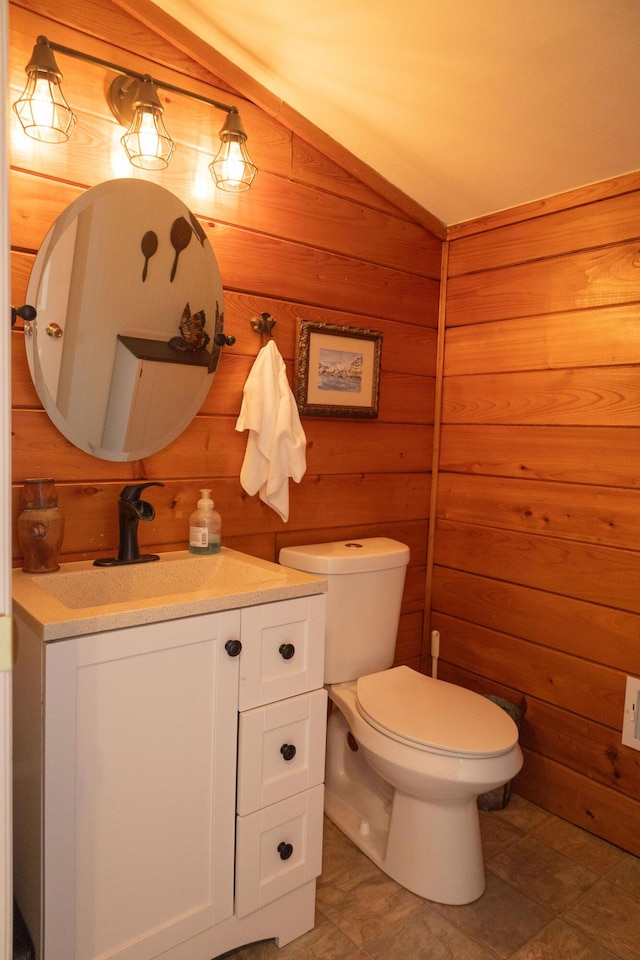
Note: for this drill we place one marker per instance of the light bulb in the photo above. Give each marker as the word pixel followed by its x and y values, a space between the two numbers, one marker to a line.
pixel 147 143
pixel 148 139
pixel 233 166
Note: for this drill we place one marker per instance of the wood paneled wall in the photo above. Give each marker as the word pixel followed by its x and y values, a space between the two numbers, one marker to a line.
pixel 308 240
pixel 536 584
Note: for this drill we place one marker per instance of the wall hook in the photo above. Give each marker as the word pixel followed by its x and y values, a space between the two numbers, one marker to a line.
pixel 263 324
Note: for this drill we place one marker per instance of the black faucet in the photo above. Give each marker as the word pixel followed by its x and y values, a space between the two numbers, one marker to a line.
pixel 131 509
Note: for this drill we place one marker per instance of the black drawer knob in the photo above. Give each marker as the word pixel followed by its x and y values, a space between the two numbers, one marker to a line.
pixel 288 751
pixel 287 650
pixel 285 850
pixel 233 647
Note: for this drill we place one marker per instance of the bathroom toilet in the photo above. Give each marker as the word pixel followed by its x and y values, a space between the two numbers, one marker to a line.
pixel 407 755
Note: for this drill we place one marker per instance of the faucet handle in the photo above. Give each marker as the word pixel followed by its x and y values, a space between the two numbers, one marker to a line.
pixel 133 491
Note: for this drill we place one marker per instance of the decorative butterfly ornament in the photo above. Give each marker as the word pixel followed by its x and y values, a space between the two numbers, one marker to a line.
pixel 192 333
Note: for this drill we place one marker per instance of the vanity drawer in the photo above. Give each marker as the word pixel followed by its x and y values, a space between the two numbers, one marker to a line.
pixel 278 849
pixel 281 750
pixel 282 650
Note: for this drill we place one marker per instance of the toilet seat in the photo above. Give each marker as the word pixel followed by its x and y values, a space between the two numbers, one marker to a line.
pixel 433 715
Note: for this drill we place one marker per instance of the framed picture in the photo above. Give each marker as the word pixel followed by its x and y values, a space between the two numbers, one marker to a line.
pixel 337 370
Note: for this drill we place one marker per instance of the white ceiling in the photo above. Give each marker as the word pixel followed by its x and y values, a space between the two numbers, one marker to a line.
pixel 467 106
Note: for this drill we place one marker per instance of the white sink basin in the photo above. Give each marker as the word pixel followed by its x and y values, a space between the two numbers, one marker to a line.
pixel 183 576
pixel 81 598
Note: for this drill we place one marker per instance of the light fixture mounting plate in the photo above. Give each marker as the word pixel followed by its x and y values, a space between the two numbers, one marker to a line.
pixel 121 94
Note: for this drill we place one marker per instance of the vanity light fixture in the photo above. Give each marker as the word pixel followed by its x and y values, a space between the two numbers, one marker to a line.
pixel 42 109
pixel 232 168
pixel 137 105
pixel 45 115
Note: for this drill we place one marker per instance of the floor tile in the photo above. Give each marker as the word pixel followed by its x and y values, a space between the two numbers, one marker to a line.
pixel 503 919
pixel 324 942
pixel 337 853
pixel 541 872
pixel 522 814
pixel 496 833
pixel 363 902
pixel 611 916
pixel 583 847
pixel 559 941
pixel 426 935
pixel 627 874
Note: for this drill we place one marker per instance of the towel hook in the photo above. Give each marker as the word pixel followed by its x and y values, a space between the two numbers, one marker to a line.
pixel 263 325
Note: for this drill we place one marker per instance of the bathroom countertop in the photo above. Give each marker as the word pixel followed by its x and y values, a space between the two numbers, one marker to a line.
pixel 81 598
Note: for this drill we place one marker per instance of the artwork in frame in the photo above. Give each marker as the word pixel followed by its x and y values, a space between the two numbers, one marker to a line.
pixel 337 370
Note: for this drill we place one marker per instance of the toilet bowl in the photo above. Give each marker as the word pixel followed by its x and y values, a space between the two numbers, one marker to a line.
pixel 407 755
pixel 424 831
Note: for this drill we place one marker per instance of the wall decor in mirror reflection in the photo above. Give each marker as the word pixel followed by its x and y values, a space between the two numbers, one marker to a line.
pixel 128 329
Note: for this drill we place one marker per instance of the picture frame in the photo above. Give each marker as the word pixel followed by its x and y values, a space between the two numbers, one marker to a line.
pixel 337 370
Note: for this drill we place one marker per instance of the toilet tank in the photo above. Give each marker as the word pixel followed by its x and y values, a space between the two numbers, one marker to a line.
pixel 365 583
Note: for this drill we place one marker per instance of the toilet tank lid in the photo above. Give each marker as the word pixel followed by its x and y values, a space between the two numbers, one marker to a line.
pixel 346 556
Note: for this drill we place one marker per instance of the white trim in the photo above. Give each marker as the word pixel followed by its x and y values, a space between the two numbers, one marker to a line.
pixel 6 872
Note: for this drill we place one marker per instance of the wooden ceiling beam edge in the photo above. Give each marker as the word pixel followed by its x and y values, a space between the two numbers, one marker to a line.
pixel 187 42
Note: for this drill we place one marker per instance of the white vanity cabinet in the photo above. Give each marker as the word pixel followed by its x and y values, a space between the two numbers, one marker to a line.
pixel 139 774
pixel 169 783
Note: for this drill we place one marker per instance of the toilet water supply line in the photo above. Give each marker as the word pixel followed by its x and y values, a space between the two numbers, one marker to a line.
pixel 435 652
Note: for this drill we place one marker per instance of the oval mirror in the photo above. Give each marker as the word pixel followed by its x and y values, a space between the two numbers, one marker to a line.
pixel 129 299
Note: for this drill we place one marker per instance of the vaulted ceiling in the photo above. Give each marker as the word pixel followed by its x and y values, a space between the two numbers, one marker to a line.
pixel 466 106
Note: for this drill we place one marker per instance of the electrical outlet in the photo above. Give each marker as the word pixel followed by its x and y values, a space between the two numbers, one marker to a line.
pixel 631 718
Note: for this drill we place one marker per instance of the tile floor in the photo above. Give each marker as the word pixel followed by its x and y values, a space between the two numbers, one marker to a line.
pixel 554 892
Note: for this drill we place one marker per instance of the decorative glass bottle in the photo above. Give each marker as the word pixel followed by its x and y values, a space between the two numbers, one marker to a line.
pixel 40 527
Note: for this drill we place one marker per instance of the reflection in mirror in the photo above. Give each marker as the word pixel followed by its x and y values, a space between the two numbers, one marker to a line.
pixel 129 299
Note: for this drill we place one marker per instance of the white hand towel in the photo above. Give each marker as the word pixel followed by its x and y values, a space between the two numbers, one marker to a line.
pixel 276 443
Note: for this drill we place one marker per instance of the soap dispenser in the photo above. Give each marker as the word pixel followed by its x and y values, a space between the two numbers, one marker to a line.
pixel 205 526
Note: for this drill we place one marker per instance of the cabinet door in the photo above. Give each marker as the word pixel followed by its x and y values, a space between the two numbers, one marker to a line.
pixel 282 650
pixel 141 739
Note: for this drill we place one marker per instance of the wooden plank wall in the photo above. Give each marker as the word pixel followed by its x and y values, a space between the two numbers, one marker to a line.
pixel 536 585
pixel 308 240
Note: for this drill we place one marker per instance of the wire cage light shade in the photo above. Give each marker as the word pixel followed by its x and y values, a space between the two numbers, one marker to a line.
pixel 42 108
pixel 232 169
pixel 146 142
pixel 45 115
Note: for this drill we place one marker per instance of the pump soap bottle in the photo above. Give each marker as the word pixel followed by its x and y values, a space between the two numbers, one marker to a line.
pixel 205 526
